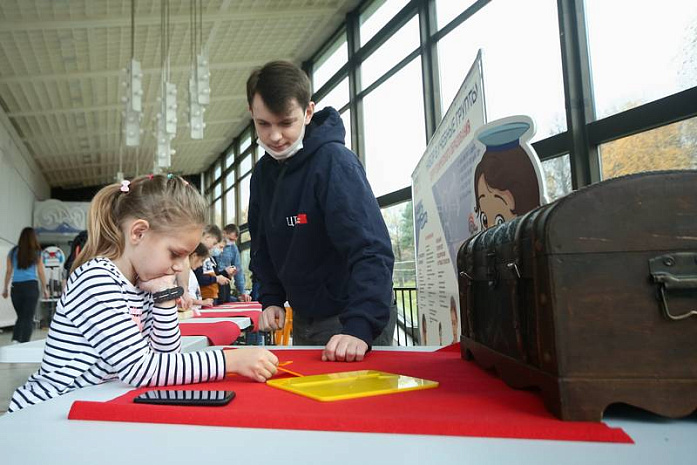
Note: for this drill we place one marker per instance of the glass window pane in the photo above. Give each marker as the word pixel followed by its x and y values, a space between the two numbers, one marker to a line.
pixel 337 97
pixel 399 221
pixel 330 62
pixel 391 52
pixel 379 13
pixel 244 199
pixel 557 172
pixel 346 118
pixel 217 190
pixel 245 237
pixel 395 136
pixel 218 215
pixel 229 158
pixel 640 51
pixel 230 206
pixel 217 171
pixel 246 164
pixel 245 256
pixel 514 82
pixel 230 179
pixel 245 141
pixel 447 10
pixel 669 147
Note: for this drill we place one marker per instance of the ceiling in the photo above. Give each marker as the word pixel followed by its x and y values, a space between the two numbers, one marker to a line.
pixel 63 62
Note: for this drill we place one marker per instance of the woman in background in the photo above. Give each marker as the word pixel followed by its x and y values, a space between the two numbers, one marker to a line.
pixel 25 267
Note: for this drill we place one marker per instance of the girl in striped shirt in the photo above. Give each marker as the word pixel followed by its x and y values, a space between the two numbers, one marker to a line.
pixel 107 324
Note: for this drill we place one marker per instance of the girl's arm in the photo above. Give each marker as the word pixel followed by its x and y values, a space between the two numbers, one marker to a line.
pixel 41 271
pixel 8 276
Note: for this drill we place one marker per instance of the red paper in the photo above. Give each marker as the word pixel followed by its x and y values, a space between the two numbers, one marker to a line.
pixel 251 314
pixel 468 402
pixel 219 333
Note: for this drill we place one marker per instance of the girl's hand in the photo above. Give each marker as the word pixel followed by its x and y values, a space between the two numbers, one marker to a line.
pixel 4 294
pixel 158 284
pixel 207 302
pixel 46 294
pixel 255 363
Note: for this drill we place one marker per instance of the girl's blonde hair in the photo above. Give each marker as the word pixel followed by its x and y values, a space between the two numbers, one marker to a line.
pixel 166 202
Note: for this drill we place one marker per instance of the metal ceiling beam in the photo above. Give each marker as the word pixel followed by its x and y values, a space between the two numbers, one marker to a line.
pixel 108 107
pixel 184 69
pixel 248 14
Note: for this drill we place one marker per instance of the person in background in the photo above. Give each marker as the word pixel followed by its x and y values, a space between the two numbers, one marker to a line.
pixel 208 279
pixel 196 260
pixel 25 268
pixel 230 262
pixel 117 319
pixel 318 237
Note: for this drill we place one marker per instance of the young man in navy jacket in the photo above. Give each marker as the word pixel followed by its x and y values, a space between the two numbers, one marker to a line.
pixel 318 238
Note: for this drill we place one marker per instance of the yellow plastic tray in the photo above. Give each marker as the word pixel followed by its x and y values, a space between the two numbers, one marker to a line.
pixel 351 385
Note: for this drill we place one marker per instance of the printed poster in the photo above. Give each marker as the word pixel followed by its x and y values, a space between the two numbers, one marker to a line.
pixel 473 175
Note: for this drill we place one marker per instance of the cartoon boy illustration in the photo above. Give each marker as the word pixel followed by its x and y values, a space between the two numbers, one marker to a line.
pixel 507 180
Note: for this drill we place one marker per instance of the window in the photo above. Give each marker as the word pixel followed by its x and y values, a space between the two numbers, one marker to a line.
pixel 337 97
pixel 218 212
pixel 640 52
pixel 229 158
pixel 395 135
pixel 230 206
pixel 245 257
pixel 447 10
pixel 230 179
pixel 217 171
pixel 401 44
pixel 217 190
pixel 557 173
pixel 244 199
pixel 246 164
pixel 378 13
pixel 245 141
pixel 346 118
pixel 669 147
pixel 330 62
pixel 399 221
pixel 522 68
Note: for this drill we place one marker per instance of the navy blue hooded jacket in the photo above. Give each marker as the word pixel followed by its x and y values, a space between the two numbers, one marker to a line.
pixel 318 236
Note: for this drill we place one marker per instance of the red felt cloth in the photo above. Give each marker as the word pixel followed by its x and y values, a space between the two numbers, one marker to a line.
pixel 468 402
pixel 251 314
pixel 236 306
pixel 220 333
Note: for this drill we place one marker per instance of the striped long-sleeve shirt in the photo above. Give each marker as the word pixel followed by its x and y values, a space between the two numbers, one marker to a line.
pixel 106 328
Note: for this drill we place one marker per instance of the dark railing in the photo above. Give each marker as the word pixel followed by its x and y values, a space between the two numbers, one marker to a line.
pixel 407 331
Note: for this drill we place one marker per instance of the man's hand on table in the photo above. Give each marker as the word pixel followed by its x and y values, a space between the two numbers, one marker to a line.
pixel 272 318
pixel 344 348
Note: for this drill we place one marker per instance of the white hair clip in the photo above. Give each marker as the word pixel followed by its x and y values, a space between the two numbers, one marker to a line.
pixel 124 185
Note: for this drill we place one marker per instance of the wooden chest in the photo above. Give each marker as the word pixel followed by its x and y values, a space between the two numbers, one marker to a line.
pixel 592 298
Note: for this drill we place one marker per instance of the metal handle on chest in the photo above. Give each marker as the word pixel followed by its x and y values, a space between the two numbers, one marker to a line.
pixel 674 271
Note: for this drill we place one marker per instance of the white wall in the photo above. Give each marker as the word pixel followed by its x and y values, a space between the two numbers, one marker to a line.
pixel 21 183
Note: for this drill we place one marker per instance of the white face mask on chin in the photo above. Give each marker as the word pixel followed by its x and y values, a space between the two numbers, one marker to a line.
pixel 289 151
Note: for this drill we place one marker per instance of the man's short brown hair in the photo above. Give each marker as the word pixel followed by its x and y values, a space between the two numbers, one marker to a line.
pixel 278 83
pixel 231 228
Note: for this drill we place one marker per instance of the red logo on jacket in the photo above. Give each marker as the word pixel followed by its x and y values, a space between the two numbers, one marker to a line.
pixel 300 218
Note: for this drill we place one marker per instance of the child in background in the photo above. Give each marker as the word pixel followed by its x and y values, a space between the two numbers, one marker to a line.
pixel 195 261
pixel 117 318
pixel 208 278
